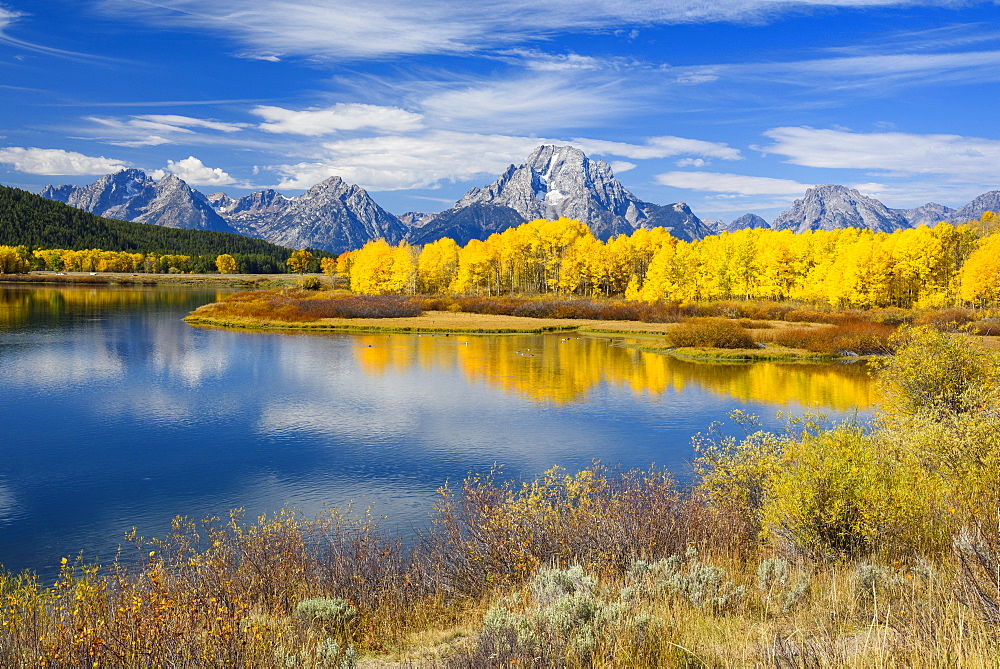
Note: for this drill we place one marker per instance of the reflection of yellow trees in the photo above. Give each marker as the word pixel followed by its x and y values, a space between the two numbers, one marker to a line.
pixel 561 369
pixel 18 303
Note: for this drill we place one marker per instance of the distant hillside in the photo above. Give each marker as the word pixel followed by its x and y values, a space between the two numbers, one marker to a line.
pixel 36 222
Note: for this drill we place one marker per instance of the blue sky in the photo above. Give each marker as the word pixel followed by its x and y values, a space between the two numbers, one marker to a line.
pixel 732 106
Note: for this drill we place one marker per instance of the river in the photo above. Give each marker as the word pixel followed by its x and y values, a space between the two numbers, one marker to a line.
pixel 116 414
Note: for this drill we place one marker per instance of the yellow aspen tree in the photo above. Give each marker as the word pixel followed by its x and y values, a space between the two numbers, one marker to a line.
pixel 403 270
pixel 299 261
pixel 437 265
pixel 226 264
pixel 980 275
pixel 371 268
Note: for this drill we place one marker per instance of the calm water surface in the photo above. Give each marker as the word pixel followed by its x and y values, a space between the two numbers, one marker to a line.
pixel 117 414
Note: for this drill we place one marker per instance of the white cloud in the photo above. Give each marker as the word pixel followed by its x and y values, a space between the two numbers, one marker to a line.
pixel 399 162
pixel 7 17
pixel 396 162
pixel 158 129
pixel 342 116
pixel 969 159
pixel 547 62
pixel 538 102
pixel 665 146
pixel 691 162
pixel 731 183
pixel 57 161
pixel 196 173
pixel 701 75
pixel 178 123
pixel 619 166
pixel 880 71
pixel 385 28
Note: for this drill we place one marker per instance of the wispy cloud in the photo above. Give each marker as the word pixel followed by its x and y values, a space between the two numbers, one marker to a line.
pixel 967 159
pixel 386 28
pixel 339 117
pixel 392 162
pixel 424 160
pixel 175 121
pixel 9 17
pixel 535 102
pixel 738 184
pixel 57 162
pixel 161 129
pixel 876 71
pixel 666 146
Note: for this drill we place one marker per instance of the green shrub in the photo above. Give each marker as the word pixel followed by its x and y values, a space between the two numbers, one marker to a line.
pixel 842 494
pixel 309 283
pixel 709 333
pixel 565 618
pixel 332 615
pixel 938 373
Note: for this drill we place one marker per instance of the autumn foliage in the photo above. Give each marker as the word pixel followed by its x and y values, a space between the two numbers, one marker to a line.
pixel 849 268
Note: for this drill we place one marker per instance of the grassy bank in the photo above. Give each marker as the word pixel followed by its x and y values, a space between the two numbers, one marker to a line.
pixel 703 337
pixel 820 545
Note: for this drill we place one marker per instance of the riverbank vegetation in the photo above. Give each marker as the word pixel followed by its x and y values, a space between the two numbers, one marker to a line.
pixel 733 330
pixel 820 545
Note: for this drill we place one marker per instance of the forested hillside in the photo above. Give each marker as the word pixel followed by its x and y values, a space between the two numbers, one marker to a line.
pixel 35 222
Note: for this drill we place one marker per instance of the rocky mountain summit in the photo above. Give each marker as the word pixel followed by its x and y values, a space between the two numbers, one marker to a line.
pixel 332 215
pixel 928 214
pixel 131 195
pixel 832 207
pixel 557 181
pixel 250 212
pixel 986 202
pixel 745 222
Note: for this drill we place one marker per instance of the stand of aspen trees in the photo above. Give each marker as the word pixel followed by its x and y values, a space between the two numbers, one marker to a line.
pixel 919 267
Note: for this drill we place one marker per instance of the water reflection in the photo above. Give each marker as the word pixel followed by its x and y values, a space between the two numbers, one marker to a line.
pixel 116 413
pixel 564 369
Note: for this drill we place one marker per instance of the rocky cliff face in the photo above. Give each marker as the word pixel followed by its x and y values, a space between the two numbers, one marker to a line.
pixel 928 214
pixel 832 207
pixel 248 214
pixel 332 215
pixel 131 195
pixel 986 202
pixel 746 222
pixel 557 181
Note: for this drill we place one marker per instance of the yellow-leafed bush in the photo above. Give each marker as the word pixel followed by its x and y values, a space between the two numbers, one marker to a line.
pixel 842 493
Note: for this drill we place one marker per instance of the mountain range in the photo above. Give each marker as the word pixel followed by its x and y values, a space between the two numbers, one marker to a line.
pixel 554 181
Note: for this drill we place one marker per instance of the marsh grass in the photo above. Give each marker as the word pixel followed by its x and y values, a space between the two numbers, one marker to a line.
pixel 856 338
pixel 710 333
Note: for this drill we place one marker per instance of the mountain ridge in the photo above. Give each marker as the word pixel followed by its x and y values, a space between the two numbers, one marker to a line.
pixel 554 181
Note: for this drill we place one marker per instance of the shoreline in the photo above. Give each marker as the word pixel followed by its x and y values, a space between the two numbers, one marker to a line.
pixel 249 281
pixel 462 323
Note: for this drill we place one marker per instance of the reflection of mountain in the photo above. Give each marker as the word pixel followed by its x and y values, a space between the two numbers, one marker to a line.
pixel 560 369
